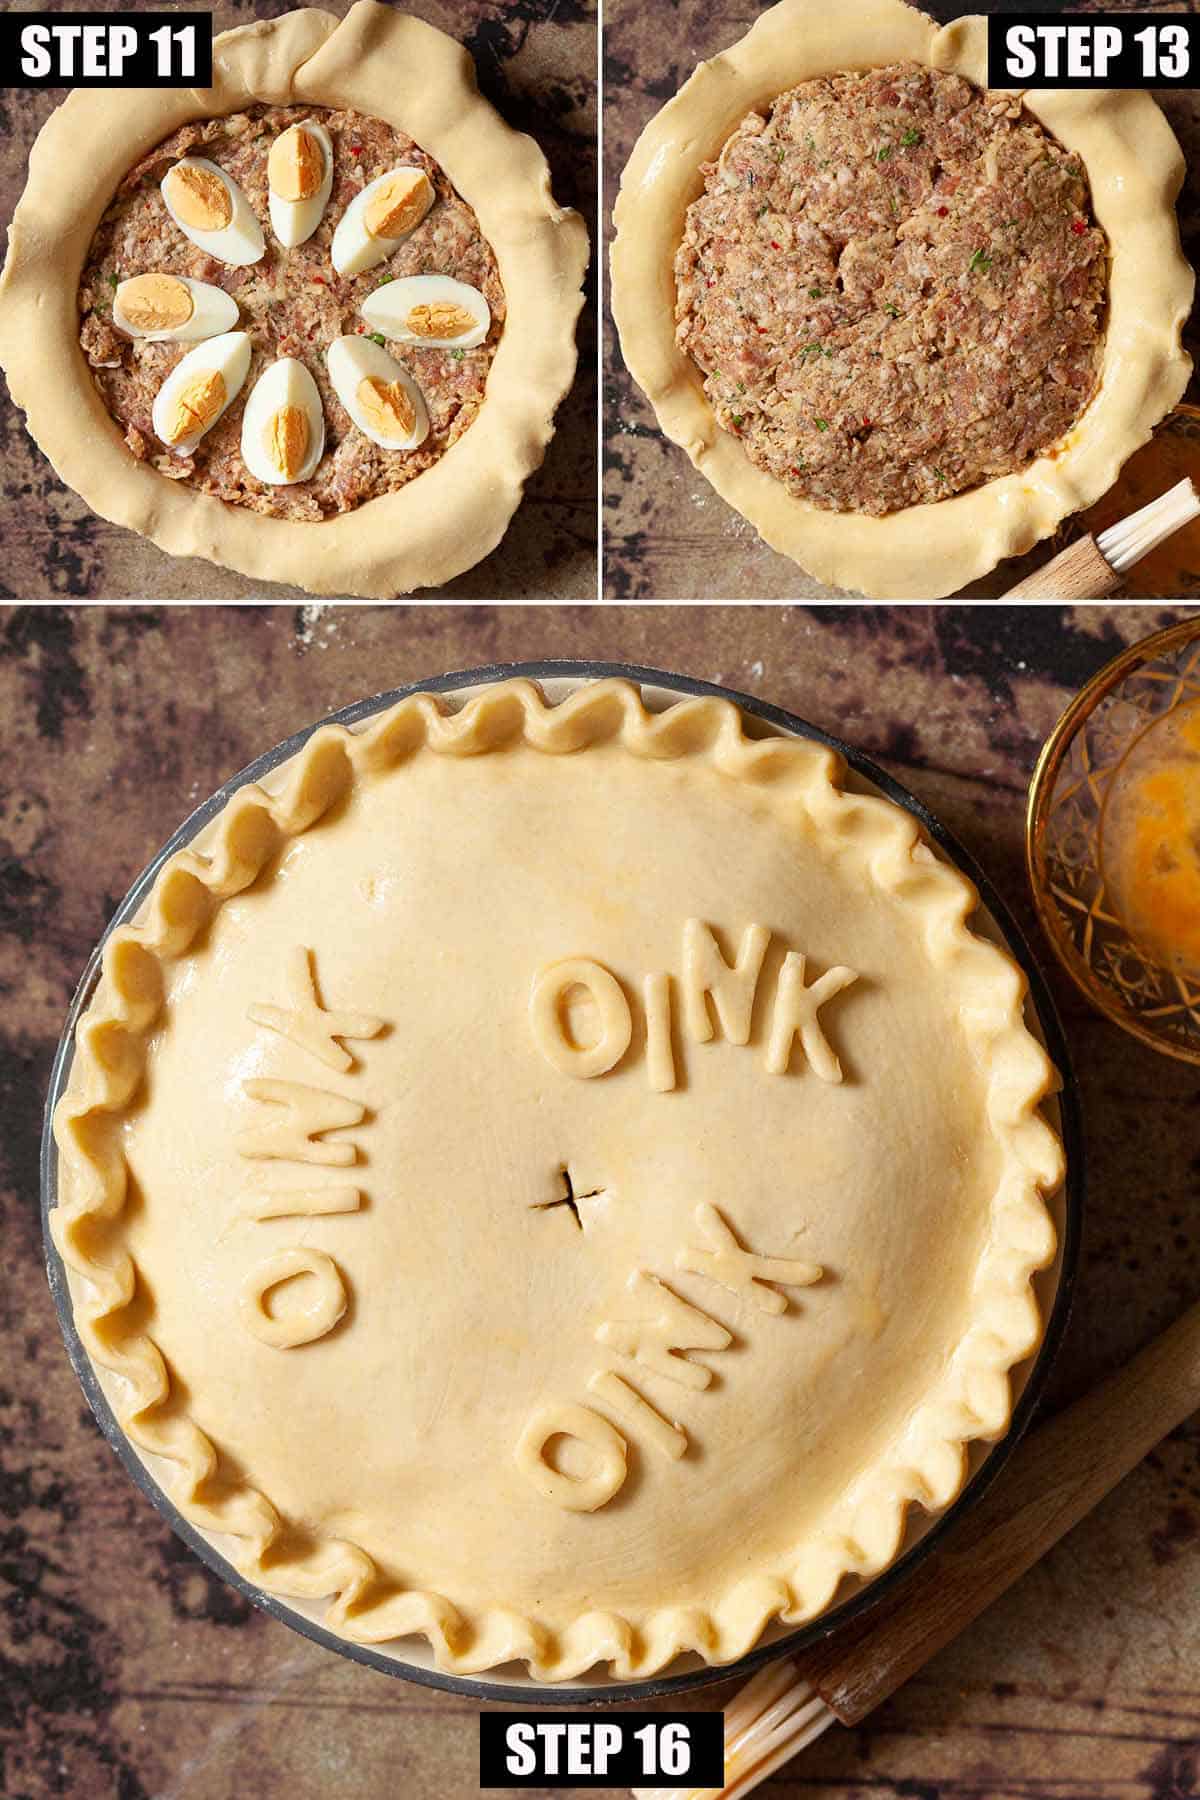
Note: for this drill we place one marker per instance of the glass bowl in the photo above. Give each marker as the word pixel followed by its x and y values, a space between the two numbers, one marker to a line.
pixel 1128 717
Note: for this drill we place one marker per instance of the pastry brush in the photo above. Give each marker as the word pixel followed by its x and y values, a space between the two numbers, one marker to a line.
pixel 1092 567
pixel 1055 1476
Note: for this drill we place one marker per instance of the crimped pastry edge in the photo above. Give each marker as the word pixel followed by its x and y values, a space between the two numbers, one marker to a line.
pixel 865 1533
pixel 1135 170
pixel 388 65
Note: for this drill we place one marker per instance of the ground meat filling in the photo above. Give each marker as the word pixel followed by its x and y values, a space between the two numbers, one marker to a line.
pixel 292 304
pixel 894 288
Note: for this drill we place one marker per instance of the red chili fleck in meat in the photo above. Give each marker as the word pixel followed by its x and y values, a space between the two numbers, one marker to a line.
pixel 356 149
pixel 943 212
pixel 761 330
pixel 319 280
pixel 1079 226
pixel 866 424
pixel 776 246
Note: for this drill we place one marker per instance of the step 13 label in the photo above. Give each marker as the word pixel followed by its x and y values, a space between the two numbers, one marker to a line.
pixel 1092 50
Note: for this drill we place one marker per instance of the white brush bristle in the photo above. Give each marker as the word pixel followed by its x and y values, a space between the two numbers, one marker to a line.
pixel 771 1720
pixel 1127 542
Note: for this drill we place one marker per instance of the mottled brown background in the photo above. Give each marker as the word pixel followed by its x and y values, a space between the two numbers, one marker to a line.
pixel 126 1669
pixel 536 61
pixel 668 534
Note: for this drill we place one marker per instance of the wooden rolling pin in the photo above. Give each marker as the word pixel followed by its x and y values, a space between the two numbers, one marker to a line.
pixel 1053 1479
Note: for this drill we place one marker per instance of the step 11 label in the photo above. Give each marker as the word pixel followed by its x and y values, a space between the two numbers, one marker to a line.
pixel 116 49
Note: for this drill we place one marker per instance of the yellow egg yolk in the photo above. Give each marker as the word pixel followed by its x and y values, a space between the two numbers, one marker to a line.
pixel 1151 840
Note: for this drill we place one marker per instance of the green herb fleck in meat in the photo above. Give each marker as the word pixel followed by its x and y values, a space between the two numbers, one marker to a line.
pixel 377 337
pixel 981 362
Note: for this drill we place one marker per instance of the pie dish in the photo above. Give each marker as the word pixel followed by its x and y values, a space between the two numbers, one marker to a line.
pixel 583 1201
pixel 851 280
pixel 412 507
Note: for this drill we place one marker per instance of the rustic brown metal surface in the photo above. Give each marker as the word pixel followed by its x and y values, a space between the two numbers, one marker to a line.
pixel 669 535
pixel 126 1669
pixel 536 61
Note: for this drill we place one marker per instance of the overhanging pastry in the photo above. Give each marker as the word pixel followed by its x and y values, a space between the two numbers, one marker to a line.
pixel 904 325
pixel 184 180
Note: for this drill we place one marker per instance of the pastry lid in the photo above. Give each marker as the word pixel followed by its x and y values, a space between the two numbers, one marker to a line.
pixel 1054 1289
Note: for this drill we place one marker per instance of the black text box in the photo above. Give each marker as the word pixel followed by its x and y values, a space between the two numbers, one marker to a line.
pixel 1092 50
pixel 118 50
pixel 601 1749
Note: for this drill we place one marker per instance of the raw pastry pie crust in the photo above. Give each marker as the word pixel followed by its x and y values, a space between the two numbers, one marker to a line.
pixel 444 870
pixel 1134 168
pixel 388 66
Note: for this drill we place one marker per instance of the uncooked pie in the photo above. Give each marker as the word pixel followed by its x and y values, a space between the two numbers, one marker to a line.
pixel 559 1180
pixel 328 305
pixel 903 323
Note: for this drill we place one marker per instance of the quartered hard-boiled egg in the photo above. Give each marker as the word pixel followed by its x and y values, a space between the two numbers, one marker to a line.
pixel 379 218
pixel 381 397
pixel 299 181
pixel 172 309
pixel 199 388
pixel 429 309
pixel 283 426
pixel 211 210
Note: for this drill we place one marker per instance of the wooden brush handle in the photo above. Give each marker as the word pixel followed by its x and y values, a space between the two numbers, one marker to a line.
pixel 1079 572
pixel 1056 1475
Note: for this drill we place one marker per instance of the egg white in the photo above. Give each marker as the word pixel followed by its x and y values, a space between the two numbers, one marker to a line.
pixel 387 310
pixel 294 221
pixel 230 354
pixel 285 383
pixel 239 243
pixel 213 311
pixel 354 250
pixel 354 359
